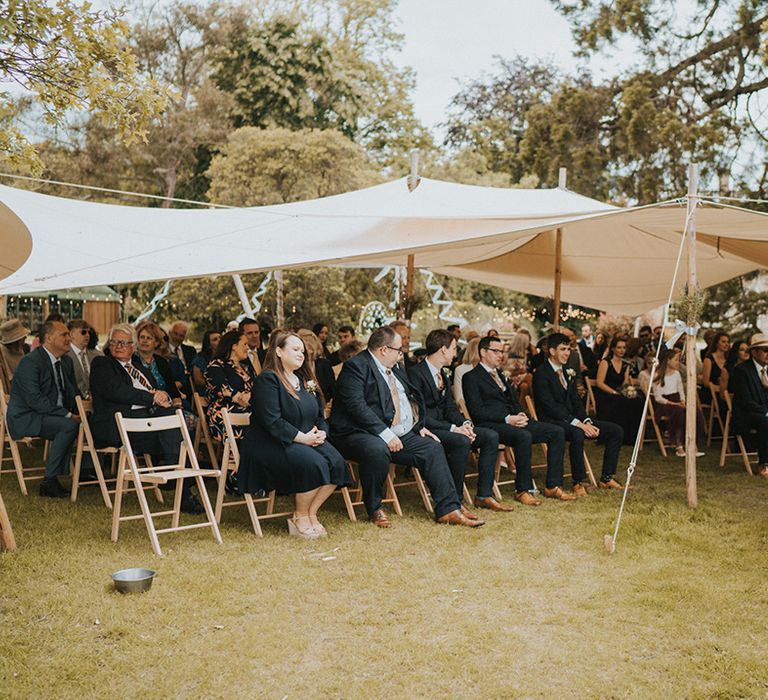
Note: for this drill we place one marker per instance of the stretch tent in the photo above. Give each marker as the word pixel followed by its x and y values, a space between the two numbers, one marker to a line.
pixel 614 259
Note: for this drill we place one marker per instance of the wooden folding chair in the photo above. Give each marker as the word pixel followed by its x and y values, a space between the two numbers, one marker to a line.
pixel 742 451
pixel 650 417
pixel 129 471
pixel 203 433
pixel 7 540
pixel 353 498
pixel 591 404
pixel 85 444
pixel 587 465
pixel 417 481
pixel 714 413
pixel 504 459
pixel 23 474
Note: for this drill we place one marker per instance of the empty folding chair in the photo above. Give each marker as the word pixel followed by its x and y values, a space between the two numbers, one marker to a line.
pixel 129 471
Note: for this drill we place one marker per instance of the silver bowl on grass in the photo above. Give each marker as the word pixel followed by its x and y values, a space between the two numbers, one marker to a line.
pixel 133 580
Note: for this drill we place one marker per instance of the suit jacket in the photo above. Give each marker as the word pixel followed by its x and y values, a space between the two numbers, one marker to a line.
pixel 554 404
pixel 188 352
pixel 112 391
pixel 83 381
pixel 35 394
pixel 440 411
pixel 485 401
pixel 750 397
pixel 363 402
pixel 589 358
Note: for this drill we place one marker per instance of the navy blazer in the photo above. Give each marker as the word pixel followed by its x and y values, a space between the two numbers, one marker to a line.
pixel 750 397
pixel 555 404
pixel 34 393
pixel 363 402
pixel 113 392
pixel 485 401
pixel 440 409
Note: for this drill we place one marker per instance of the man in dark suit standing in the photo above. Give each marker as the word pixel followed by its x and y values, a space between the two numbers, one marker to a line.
pixel 378 418
pixel 250 328
pixel 42 403
pixel 557 402
pixel 176 337
pixel 492 402
pixel 749 385
pixel 457 434
pixel 118 386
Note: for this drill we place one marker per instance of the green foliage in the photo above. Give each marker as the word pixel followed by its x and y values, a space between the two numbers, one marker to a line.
pixel 71 57
pixel 736 305
pixel 272 166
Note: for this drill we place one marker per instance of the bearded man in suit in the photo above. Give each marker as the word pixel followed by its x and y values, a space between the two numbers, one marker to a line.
pixel 378 418
pixel 42 403
pixel 557 402
pixel 457 433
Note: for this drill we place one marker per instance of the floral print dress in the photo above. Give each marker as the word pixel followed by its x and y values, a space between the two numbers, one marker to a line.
pixel 224 379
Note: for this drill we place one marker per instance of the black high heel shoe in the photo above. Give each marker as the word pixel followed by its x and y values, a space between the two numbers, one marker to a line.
pixel 230 485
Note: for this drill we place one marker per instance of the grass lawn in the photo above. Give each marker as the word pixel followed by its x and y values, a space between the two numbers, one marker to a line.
pixel 528 606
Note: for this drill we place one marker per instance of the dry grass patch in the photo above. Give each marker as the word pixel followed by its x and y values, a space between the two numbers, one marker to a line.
pixel 527 606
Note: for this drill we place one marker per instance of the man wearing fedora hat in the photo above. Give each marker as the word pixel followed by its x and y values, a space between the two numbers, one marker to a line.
pixel 750 397
pixel 42 403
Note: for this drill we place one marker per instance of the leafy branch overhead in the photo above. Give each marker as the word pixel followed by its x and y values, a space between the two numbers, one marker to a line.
pixel 71 57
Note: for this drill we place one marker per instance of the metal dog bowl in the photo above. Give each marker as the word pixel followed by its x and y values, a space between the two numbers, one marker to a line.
pixel 133 580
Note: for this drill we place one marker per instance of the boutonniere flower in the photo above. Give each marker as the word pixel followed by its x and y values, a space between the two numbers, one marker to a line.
pixel 570 373
pixel 507 375
pixel 311 386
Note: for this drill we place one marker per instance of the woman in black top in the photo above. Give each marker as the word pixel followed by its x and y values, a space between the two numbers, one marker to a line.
pixel 150 338
pixel 613 375
pixel 285 447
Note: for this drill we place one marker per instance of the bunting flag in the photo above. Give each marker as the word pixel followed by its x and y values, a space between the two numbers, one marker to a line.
pixel 440 299
pixel 256 298
pixel 154 303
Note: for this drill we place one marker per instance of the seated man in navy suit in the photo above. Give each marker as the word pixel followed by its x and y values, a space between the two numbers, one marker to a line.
pixel 118 386
pixel 749 384
pixel 42 403
pixel 378 418
pixel 558 403
pixel 492 402
pixel 456 432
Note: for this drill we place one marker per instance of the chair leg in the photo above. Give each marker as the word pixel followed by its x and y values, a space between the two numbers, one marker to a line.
pixel 148 520
pixel 466 494
pixel 423 491
pixel 78 464
pixel 391 493
pixel 589 471
pixel 177 502
pixel 220 489
pixel 18 466
pixel 744 455
pixel 100 477
pixel 348 504
pixel 7 540
pixel 254 516
pixel 119 489
pixel 203 493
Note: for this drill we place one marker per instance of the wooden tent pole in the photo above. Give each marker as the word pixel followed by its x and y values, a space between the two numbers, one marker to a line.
pixel 562 177
pixel 280 311
pixel 690 345
pixel 407 303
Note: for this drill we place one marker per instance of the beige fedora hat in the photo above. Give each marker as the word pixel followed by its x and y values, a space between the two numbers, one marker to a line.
pixel 758 340
pixel 11 331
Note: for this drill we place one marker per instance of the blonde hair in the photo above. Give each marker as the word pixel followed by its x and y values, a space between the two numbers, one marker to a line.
pixel 471 353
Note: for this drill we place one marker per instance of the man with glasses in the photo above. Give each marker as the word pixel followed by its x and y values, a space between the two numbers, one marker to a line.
pixel 118 386
pixel 42 403
pixel 82 356
pixel 750 397
pixel 378 418
pixel 492 402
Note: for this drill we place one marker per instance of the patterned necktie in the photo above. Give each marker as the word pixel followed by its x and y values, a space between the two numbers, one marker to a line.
pixel 395 397
pixel 764 378
pixel 84 363
pixel 440 381
pixel 138 376
pixel 561 377
pixel 59 378
pixel 497 379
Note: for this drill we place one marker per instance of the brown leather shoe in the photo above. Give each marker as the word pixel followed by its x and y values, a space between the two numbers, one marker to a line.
pixel 456 517
pixel 579 490
pixel 526 499
pixel 612 484
pixel 467 513
pixel 380 519
pixel 559 494
pixel 492 504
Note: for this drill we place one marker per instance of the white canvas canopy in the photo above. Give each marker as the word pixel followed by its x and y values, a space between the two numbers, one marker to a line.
pixel 613 259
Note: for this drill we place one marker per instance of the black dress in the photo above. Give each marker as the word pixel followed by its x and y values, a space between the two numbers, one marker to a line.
pixel 270 459
pixel 619 409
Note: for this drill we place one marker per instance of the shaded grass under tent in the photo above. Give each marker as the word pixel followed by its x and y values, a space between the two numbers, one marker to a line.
pixel 528 606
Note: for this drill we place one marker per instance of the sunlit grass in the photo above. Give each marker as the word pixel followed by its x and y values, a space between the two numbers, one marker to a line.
pixel 528 606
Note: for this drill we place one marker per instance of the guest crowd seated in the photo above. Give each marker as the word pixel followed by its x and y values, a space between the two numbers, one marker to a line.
pixel 320 367
pixel 229 382
pixel 42 403
pixel 13 347
pixel 176 346
pixel 151 339
pixel 286 447
pixel 614 375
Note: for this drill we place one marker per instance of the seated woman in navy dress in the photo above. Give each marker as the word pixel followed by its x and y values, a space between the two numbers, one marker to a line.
pixel 285 447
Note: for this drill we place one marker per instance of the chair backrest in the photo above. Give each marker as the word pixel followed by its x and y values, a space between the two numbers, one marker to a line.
pixel 155 424
pixel 231 457
pixel 531 408
pixel 4 399
pixel 85 407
